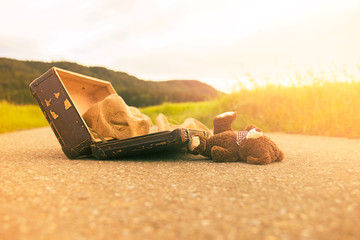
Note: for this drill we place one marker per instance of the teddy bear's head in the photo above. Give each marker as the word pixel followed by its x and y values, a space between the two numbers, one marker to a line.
pixel 256 148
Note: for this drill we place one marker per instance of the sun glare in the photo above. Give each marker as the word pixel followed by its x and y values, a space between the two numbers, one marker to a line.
pixel 217 42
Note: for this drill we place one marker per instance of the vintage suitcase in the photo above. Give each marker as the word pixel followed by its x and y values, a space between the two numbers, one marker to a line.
pixel 65 96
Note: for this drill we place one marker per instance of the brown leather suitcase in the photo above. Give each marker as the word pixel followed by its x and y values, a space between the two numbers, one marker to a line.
pixel 65 96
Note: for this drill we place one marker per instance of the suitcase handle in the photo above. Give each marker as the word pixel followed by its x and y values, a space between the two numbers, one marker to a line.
pixel 98 135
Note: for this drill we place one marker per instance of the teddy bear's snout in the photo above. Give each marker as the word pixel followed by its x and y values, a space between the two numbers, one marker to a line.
pixel 254 133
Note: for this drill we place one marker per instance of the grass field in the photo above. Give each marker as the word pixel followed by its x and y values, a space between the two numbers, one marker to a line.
pixel 326 108
pixel 322 108
pixel 20 117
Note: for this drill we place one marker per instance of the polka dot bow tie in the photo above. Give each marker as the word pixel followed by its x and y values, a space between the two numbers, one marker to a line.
pixel 241 136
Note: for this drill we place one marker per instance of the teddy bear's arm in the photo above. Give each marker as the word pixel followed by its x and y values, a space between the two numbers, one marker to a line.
pixel 220 154
pixel 197 145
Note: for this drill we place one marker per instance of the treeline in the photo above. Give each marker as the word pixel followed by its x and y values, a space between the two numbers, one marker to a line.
pixel 16 75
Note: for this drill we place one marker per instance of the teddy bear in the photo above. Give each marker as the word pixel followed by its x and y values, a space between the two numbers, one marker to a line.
pixel 250 145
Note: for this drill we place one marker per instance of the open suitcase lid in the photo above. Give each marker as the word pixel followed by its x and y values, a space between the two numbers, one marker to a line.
pixel 82 90
pixel 65 96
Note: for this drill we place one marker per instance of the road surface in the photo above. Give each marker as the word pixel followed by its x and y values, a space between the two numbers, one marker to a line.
pixel 313 194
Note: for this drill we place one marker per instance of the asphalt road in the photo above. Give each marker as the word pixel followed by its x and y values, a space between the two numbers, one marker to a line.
pixel 313 194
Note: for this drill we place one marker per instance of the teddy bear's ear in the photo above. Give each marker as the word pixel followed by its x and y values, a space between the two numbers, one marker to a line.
pixel 251 126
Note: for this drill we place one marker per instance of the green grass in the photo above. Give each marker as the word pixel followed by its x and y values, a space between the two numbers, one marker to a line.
pixel 20 117
pixel 324 108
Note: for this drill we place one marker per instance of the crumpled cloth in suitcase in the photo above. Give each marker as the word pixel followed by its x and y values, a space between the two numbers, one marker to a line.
pixel 111 117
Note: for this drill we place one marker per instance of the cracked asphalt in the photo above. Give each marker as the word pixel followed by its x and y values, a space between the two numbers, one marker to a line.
pixel 313 194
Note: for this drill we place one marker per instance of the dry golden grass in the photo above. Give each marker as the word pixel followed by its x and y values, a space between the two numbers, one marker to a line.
pixel 322 109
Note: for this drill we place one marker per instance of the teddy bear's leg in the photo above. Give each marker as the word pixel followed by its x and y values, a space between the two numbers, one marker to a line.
pixel 223 122
pixel 197 145
pixel 263 160
pixel 220 154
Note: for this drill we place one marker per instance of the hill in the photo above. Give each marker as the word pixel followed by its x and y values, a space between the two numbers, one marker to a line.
pixel 16 75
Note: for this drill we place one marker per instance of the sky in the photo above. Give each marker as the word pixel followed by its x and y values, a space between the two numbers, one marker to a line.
pixel 218 42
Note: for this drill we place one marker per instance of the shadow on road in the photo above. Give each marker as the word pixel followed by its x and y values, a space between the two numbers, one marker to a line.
pixel 159 156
